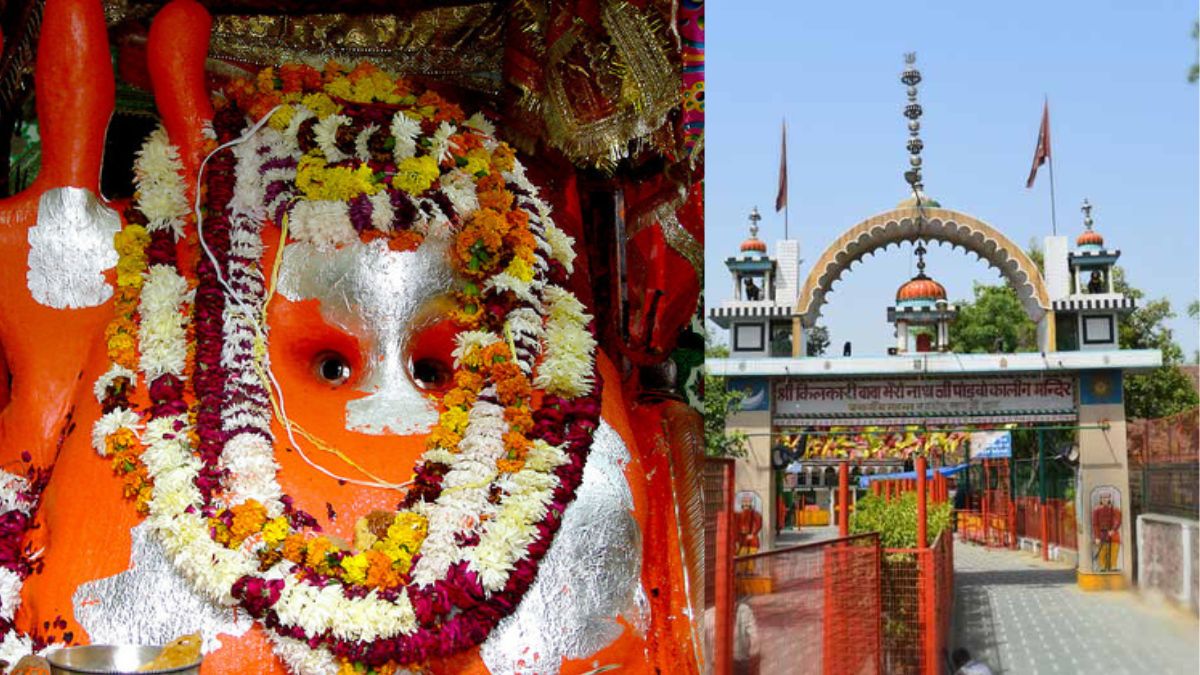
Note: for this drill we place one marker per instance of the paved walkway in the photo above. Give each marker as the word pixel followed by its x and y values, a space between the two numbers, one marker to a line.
pixel 805 535
pixel 1020 615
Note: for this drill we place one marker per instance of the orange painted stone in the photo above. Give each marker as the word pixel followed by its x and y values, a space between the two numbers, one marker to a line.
pixel 84 522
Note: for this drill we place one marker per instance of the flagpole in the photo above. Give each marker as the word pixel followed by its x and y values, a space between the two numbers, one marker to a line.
pixel 785 221
pixel 1053 215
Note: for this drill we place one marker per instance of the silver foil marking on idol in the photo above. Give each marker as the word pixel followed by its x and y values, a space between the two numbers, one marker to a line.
pixel 377 295
pixel 70 247
pixel 151 603
pixel 589 577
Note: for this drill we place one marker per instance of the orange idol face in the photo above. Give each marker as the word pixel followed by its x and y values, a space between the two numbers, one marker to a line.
pixel 345 417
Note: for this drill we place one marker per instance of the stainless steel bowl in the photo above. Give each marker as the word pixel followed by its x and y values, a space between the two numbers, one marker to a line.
pixel 111 660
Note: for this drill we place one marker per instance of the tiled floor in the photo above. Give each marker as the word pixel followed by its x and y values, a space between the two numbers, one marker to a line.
pixel 1020 615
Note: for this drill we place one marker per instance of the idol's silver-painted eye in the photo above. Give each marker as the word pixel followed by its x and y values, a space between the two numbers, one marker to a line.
pixel 332 368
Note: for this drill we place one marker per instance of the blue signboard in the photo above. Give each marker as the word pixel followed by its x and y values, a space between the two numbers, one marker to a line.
pixel 755 389
pixel 991 445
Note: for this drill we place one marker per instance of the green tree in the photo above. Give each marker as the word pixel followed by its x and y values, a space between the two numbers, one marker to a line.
pixel 1166 390
pixel 818 341
pixel 720 403
pixel 1194 71
pixel 994 321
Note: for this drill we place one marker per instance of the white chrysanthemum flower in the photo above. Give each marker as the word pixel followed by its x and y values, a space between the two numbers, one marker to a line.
pixel 249 187
pixel 325 135
pixel 252 469
pixel 405 131
pixel 570 347
pixel 382 213
pixel 162 194
pixel 114 373
pixel 324 224
pixel 480 123
pixel 459 188
pixel 163 331
pixel 504 281
pixel 300 658
pixel 109 423
pixel 562 247
pixel 14 647
pixel 10 593
pixel 439 147
pixel 472 339
pixel 360 142
pixel 301 115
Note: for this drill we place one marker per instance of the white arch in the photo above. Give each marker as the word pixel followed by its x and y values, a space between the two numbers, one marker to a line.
pixel 938 224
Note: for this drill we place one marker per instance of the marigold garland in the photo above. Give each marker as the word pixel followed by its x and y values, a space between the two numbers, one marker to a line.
pixel 354 154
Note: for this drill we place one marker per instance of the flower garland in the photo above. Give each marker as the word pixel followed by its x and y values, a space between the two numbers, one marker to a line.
pixel 348 155
pixel 19 498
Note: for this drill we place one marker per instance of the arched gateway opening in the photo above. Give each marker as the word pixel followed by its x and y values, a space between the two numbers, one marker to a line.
pixel 908 223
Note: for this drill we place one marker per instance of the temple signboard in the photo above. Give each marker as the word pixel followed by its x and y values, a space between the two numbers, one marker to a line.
pixel 930 400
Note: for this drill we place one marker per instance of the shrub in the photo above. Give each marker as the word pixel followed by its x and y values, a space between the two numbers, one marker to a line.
pixel 896 520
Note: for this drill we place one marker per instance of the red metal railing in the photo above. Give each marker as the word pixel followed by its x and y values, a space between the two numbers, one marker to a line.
pixel 918 600
pixel 812 608
pixel 1061 526
pixel 718 562
pixel 842 606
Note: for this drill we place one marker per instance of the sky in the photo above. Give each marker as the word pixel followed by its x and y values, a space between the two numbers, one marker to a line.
pixel 1124 133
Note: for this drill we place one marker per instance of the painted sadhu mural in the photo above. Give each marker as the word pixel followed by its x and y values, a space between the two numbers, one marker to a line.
pixel 329 390
pixel 1105 516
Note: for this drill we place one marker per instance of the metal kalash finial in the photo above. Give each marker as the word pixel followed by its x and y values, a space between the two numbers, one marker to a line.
pixel 920 260
pixel 911 77
pixel 1087 214
pixel 754 218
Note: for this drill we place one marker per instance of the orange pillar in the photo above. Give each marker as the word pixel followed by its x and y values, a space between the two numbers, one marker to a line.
pixel 922 523
pixel 983 502
pixel 723 634
pixel 844 499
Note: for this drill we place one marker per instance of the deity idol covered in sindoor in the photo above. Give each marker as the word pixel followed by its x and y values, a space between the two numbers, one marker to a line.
pixel 331 389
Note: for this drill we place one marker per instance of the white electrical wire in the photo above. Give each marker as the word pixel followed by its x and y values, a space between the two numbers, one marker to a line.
pixel 242 303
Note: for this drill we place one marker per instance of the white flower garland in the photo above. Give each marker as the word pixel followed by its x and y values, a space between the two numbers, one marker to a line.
pixel 552 324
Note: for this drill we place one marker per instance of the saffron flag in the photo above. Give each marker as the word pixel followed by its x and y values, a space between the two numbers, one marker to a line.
pixel 781 196
pixel 1042 152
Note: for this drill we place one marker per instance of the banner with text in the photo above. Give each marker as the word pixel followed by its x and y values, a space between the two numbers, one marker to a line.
pixel 991 445
pixel 946 400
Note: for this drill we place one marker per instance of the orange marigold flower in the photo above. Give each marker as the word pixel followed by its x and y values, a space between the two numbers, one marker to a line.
pixel 512 389
pixel 380 573
pixel 449 112
pixel 458 397
pixel 465 142
pixel 500 200
pixel 248 518
pixel 441 437
pixel 265 80
pixel 332 70
pixel 519 417
pixel 293 548
pixel 517 444
pixel 468 380
pixel 506 465
pixel 490 183
pixel 503 157
pixel 495 354
pixel 518 220
pixel 362 71
pixel 405 240
pixel 317 551
pixel 291 77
